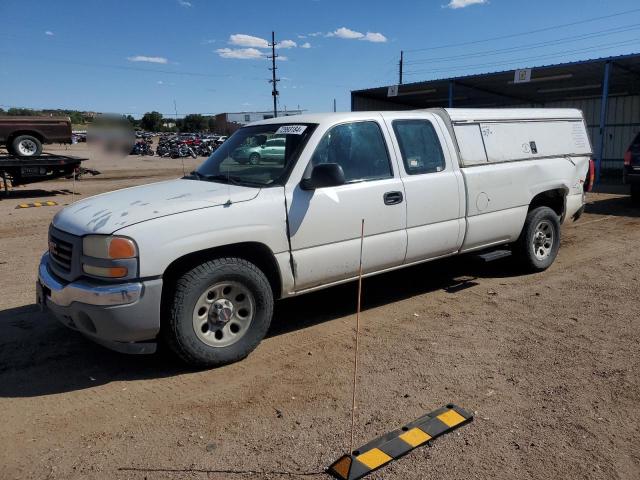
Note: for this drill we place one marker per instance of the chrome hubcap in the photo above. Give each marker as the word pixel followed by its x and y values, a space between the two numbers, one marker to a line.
pixel 223 313
pixel 27 147
pixel 543 238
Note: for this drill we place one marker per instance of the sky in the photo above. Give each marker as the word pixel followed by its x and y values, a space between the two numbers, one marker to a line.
pixel 209 56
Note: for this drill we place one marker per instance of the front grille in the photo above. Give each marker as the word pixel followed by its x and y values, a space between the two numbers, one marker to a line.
pixel 61 252
pixel 64 254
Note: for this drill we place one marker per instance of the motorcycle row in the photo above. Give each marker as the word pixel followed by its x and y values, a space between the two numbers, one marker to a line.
pixel 175 148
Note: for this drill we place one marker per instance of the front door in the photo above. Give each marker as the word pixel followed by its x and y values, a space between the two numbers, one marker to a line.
pixel 325 224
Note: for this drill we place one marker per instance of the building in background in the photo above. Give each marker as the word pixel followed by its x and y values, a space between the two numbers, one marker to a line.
pixel 607 90
pixel 227 123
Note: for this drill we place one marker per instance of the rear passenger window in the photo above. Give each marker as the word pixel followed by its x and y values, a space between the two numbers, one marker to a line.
pixel 358 148
pixel 419 145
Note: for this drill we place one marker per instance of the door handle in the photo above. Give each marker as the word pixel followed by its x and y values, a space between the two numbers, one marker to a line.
pixel 392 198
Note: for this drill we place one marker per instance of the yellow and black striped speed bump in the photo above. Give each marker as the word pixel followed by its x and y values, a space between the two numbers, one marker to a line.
pixel 394 445
pixel 37 204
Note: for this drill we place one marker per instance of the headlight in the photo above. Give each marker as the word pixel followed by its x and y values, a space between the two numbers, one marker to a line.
pixel 107 256
pixel 101 246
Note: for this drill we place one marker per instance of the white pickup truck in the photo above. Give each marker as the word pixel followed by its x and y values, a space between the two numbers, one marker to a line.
pixel 198 261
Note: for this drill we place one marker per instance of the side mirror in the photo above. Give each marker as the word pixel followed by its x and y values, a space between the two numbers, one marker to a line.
pixel 324 175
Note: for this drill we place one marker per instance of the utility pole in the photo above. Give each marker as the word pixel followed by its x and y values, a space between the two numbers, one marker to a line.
pixel 273 69
pixel 334 104
pixel 401 65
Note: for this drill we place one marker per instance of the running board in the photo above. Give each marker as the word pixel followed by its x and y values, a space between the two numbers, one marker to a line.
pixel 494 255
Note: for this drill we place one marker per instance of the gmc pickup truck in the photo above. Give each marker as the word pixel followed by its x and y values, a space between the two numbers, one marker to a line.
pixel 198 261
pixel 24 136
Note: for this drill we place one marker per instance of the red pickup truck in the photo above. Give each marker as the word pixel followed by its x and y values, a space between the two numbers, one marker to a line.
pixel 24 136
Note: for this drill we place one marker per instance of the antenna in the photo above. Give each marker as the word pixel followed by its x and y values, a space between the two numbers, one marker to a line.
pixel 355 353
pixel 274 80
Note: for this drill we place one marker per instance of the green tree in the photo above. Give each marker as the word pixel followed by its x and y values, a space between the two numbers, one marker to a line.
pixel 151 121
pixel 132 121
pixel 194 122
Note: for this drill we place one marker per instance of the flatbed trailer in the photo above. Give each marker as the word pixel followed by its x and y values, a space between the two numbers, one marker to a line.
pixel 47 166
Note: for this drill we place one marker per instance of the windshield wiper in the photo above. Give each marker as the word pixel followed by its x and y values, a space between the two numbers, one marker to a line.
pixel 234 179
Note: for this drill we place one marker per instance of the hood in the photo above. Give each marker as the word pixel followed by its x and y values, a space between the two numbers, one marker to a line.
pixel 108 212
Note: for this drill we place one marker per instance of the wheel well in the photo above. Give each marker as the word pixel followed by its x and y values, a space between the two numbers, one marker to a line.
pixel 24 132
pixel 257 253
pixel 554 199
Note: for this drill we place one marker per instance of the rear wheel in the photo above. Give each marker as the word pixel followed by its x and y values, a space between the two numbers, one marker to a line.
pixel 539 240
pixel 220 312
pixel 26 146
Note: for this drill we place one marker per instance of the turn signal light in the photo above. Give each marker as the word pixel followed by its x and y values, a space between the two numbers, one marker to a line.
pixel 121 248
pixel 106 272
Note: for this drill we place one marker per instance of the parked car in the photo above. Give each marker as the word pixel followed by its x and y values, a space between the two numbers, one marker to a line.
pixel 632 168
pixel 271 150
pixel 24 135
pixel 198 261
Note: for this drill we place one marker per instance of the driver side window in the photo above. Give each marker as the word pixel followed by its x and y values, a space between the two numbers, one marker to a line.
pixel 359 148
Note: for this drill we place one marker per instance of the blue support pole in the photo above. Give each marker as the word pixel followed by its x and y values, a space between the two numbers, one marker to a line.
pixel 603 118
pixel 450 93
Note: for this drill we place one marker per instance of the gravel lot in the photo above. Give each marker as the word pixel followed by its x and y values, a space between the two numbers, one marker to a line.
pixel 550 364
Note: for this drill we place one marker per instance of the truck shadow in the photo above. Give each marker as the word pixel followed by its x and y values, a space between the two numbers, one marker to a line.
pixel 38 356
pixel 618 206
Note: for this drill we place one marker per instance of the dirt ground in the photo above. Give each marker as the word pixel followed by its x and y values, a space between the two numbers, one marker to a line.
pixel 549 363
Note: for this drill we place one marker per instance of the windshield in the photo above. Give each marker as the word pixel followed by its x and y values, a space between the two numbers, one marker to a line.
pixel 260 155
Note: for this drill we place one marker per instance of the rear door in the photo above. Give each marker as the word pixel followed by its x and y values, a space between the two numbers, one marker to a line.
pixel 325 224
pixel 433 184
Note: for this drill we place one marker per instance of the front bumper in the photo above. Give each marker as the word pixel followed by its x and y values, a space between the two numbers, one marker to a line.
pixel 124 317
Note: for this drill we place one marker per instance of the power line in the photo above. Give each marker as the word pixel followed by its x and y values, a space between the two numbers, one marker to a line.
pixel 530 46
pixel 519 60
pixel 513 35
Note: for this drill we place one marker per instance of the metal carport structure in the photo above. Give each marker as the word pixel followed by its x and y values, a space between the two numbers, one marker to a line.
pixel 606 89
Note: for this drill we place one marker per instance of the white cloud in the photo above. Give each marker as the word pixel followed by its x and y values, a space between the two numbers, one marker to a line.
pixel 302 36
pixel 455 4
pixel 49 33
pixel 347 33
pixel 344 32
pixel 305 45
pixel 315 34
pixel 144 58
pixel 240 53
pixel 242 40
pixel 374 37
pixel 208 42
pixel 286 44
pixel 184 3
pixel 159 82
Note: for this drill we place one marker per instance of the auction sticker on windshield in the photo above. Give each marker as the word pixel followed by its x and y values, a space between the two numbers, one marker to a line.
pixel 291 130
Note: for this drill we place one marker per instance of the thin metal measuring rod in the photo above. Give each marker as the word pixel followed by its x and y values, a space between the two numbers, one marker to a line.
pixel 355 357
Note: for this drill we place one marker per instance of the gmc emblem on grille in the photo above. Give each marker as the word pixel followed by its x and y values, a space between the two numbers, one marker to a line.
pixel 53 248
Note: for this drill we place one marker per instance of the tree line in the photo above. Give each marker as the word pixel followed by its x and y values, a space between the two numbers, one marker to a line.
pixel 150 121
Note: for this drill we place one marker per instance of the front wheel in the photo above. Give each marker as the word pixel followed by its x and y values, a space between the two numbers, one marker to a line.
pixel 219 313
pixel 254 159
pixel 539 241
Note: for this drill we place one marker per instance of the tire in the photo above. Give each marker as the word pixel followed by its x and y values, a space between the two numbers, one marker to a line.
pixel 208 298
pixel 635 193
pixel 26 146
pixel 254 158
pixel 539 241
